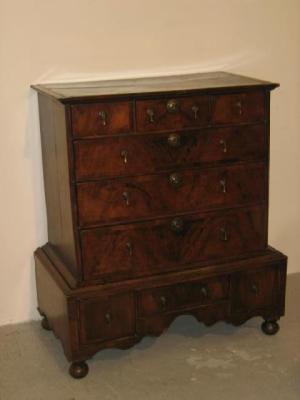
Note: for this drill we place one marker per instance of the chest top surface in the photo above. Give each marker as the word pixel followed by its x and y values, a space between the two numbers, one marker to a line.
pixel 206 82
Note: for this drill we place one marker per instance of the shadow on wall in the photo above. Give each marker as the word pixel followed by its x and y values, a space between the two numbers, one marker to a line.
pixel 229 63
pixel 32 153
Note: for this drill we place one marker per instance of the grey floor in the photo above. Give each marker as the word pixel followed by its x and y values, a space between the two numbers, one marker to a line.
pixel 188 362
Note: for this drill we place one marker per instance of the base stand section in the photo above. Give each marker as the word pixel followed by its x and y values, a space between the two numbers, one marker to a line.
pixel 79 369
pixel 270 327
pixel 234 292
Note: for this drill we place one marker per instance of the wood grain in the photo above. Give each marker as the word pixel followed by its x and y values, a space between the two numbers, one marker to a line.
pixel 168 299
pixel 126 251
pixel 210 81
pixel 239 108
pixel 128 199
pixel 76 315
pixel 105 157
pixel 54 139
pixel 157 206
pixel 182 118
pixel 87 121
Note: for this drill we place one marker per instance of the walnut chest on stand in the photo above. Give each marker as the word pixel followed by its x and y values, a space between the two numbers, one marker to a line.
pixel 157 206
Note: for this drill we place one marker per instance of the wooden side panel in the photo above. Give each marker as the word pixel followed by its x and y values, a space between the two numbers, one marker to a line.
pixel 57 181
pixel 52 301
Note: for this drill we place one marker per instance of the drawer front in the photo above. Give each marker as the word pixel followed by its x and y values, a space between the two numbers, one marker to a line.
pixel 253 290
pixel 125 155
pixel 153 195
pixel 172 113
pixel 127 250
pixel 188 294
pixel 107 318
pixel 101 119
pixel 239 108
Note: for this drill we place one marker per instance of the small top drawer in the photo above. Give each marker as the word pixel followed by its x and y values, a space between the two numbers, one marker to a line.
pixel 96 119
pixel 172 113
pixel 238 108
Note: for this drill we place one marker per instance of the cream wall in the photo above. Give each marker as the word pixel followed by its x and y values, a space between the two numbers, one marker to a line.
pixel 42 40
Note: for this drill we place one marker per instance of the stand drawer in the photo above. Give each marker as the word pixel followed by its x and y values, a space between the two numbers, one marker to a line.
pixel 188 294
pixel 254 290
pixel 106 318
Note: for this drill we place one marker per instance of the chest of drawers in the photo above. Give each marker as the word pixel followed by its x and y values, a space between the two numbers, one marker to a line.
pixel 157 206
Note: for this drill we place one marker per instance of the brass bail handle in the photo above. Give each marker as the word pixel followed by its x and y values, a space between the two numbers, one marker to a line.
pixel 129 247
pixel 124 156
pixel 224 234
pixel 204 292
pixel 151 115
pixel 126 198
pixel 108 318
pixel 163 302
pixel 103 117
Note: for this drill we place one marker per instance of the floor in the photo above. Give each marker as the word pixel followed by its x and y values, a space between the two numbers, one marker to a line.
pixel 189 362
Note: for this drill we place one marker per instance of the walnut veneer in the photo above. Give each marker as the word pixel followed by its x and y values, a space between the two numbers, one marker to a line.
pixel 157 206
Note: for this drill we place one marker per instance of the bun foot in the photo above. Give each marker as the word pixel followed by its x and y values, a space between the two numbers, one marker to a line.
pixel 270 327
pixel 79 370
pixel 45 324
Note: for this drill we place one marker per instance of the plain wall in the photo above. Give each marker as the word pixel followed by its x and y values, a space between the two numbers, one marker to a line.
pixel 57 40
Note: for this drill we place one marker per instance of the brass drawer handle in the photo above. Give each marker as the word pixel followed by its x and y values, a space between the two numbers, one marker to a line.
pixel 163 302
pixel 224 145
pixel 129 247
pixel 172 105
pixel 195 110
pixel 175 180
pixel 124 156
pixel 223 185
pixel 174 140
pixel 103 117
pixel 150 114
pixel 126 198
pixel 254 288
pixel 239 107
pixel 177 225
pixel 224 234
pixel 204 292
pixel 108 318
